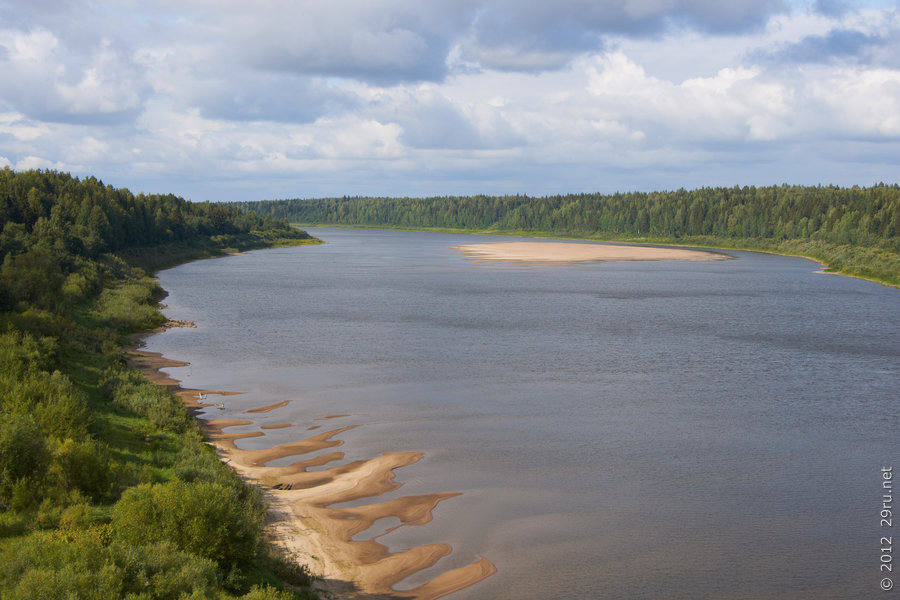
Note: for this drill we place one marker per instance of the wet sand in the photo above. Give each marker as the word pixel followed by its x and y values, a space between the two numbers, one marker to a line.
pixel 265 409
pixel 301 520
pixel 570 252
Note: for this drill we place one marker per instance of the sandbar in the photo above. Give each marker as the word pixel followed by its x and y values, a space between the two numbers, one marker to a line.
pixel 267 408
pixel 302 516
pixel 573 252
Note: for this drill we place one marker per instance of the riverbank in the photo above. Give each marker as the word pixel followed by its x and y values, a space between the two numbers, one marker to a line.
pixel 872 264
pixel 164 256
pixel 301 521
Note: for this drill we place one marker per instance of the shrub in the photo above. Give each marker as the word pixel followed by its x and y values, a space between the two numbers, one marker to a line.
pixel 269 593
pixel 130 390
pixel 12 523
pixel 23 459
pixel 286 568
pixel 22 354
pixel 216 521
pixel 57 406
pixel 84 466
pixel 43 565
pixel 34 277
pixel 198 462
pixel 131 306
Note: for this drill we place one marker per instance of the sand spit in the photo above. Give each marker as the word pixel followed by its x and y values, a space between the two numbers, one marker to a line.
pixel 301 519
pixel 570 252
pixel 267 408
pixel 151 363
pixel 276 426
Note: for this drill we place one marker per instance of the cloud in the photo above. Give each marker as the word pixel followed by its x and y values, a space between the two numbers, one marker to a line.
pixel 832 8
pixel 226 100
pixel 378 41
pixel 848 45
pixel 45 80
pixel 268 97
pixel 534 36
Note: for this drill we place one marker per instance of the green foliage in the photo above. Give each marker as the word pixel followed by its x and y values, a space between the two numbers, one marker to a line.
pixel 87 217
pixel 198 462
pixel 212 520
pixel 130 390
pixel 270 593
pixel 57 406
pixel 131 306
pixel 24 458
pixel 84 466
pixel 853 229
pixel 52 225
pixel 287 569
pixel 23 354
pixel 84 565
pixel 34 277
pixel 77 426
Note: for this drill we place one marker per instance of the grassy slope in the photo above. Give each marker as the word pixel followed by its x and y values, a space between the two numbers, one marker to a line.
pixel 873 264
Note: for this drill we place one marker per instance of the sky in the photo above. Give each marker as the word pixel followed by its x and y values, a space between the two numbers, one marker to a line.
pixel 221 100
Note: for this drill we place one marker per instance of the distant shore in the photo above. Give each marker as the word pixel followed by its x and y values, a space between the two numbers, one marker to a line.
pixel 300 520
pixel 570 252
pixel 822 253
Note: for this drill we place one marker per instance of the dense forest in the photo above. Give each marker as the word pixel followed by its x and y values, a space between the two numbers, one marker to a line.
pixel 853 230
pixel 107 488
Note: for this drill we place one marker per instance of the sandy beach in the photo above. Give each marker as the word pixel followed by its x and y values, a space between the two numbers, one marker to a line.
pixel 301 520
pixel 572 252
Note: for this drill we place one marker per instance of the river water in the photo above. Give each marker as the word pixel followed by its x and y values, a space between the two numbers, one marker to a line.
pixel 618 430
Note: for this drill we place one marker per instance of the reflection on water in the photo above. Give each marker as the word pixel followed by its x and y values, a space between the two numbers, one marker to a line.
pixel 618 430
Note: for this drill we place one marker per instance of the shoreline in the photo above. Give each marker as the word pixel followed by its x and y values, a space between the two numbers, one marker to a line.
pixel 299 518
pixel 825 269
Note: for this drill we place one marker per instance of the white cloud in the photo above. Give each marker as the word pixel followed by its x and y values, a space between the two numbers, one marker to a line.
pixel 47 81
pixel 37 162
pixel 453 96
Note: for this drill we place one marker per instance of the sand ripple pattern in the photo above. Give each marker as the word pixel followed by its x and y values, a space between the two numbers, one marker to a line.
pixel 302 519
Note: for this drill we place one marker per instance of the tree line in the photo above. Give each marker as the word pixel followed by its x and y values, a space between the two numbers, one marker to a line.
pixel 53 225
pixel 803 219
pixel 857 215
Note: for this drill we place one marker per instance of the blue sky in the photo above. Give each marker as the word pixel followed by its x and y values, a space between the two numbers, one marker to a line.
pixel 275 98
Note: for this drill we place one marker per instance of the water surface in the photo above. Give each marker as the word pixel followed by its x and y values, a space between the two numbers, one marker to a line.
pixel 618 430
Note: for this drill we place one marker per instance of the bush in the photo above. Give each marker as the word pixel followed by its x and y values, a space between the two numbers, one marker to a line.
pixel 22 354
pixel 23 460
pixel 216 521
pixel 270 593
pixel 286 568
pixel 131 306
pixel 34 277
pixel 43 565
pixel 130 390
pixel 84 466
pixel 198 462
pixel 57 406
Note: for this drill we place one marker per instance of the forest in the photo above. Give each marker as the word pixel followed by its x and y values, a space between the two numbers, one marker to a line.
pixel 851 229
pixel 107 487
